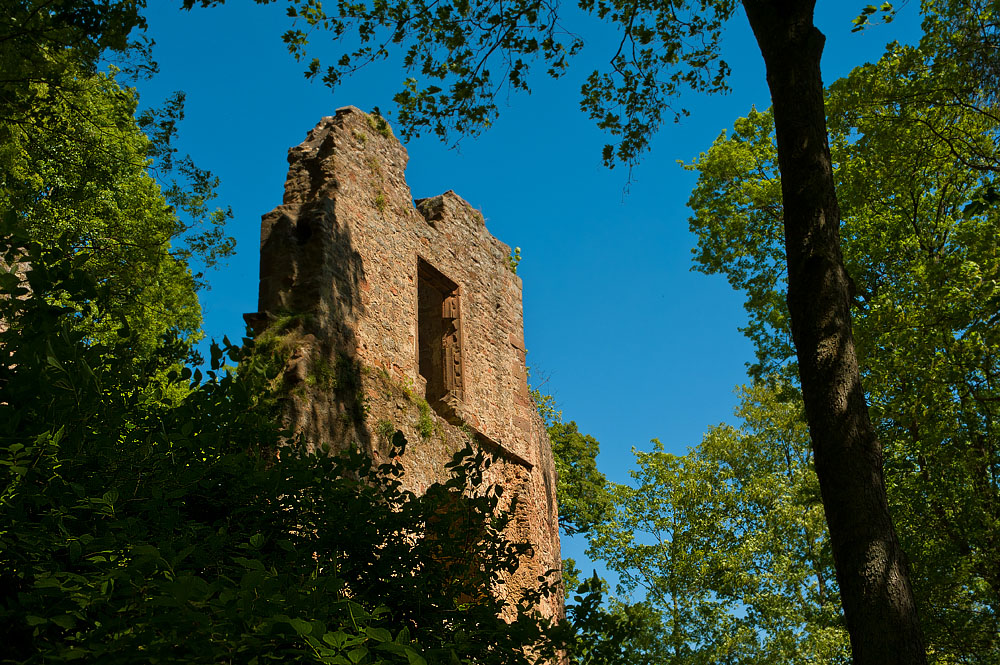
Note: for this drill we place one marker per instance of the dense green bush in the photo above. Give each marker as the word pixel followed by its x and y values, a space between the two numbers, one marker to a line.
pixel 137 527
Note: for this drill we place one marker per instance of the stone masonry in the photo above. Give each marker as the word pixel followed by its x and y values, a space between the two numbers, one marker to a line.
pixel 403 314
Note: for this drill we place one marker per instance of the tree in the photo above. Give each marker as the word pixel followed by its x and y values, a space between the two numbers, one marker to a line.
pixel 582 490
pixel 602 636
pixel 76 161
pixel 871 569
pixel 94 187
pixel 666 48
pixel 45 43
pixel 923 263
pixel 727 545
pixel 145 513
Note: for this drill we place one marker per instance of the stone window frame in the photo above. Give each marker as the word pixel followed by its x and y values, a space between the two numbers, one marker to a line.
pixel 451 390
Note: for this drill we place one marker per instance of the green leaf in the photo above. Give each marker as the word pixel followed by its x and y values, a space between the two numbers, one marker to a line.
pixel 301 626
pixel 414 658
pixel 64 621
pixel 378 634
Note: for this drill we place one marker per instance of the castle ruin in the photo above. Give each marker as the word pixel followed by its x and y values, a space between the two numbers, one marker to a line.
pixel 415 322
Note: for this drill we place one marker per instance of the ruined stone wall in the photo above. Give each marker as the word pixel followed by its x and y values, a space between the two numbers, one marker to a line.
pixel 403 314
pixel 20 270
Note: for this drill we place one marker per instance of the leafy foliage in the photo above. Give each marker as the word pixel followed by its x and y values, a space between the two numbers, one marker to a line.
pixel 138 530
pixel 150 513
pixel 728 544
pixel 582 490
pixel 74 163
pixel 461 55
pixel 46 43
pixel 609 636
pixel 962 36
pixel 94 189
pixel 737 200
pixel 915 165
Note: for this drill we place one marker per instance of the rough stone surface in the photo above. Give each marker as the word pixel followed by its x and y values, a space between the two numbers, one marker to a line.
pixel 404 302
pixel 20 269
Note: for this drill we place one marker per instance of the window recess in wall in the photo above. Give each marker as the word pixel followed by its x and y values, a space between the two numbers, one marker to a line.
pixel 439 337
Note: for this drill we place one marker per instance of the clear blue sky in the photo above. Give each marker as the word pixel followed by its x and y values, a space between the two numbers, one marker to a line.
pixel 632 344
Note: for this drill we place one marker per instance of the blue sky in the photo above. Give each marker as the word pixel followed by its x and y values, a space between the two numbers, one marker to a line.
pixel 632 344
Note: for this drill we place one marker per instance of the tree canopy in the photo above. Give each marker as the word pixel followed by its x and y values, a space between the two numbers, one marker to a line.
pixel 727 545
pixel 79 161
pixel 461 57
pixel 923 264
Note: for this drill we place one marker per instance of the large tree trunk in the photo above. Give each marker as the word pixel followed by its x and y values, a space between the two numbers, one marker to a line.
pixel 871 568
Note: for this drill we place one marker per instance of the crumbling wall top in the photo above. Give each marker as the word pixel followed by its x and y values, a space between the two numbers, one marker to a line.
pixel 420 292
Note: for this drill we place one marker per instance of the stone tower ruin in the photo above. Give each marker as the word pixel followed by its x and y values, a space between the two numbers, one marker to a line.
pixel 415 323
